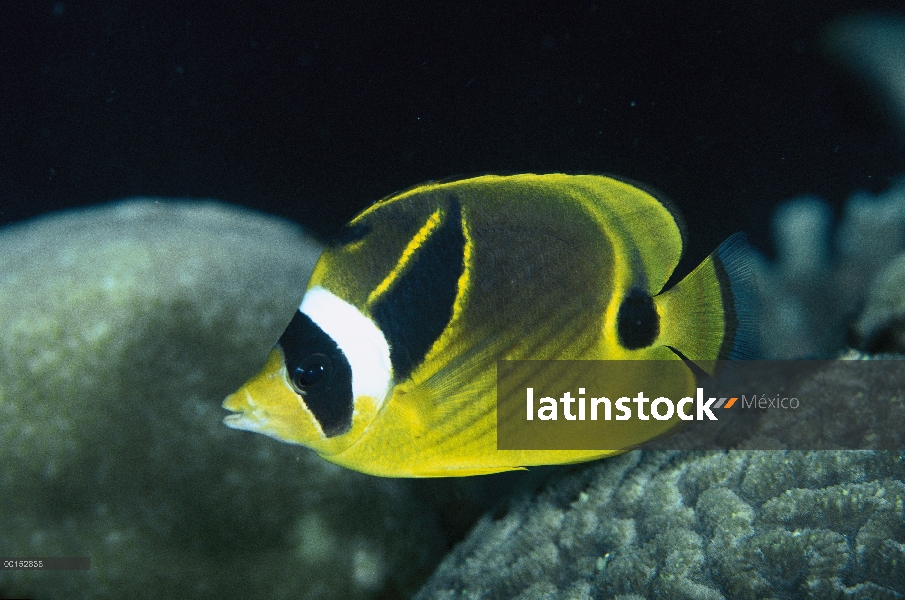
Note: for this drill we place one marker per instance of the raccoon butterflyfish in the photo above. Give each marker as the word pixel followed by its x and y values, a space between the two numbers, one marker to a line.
pixel 389 365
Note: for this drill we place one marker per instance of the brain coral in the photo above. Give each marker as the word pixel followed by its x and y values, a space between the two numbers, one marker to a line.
pixel 737 524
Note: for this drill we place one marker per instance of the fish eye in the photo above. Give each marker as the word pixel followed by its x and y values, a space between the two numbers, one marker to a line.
pixel 314 372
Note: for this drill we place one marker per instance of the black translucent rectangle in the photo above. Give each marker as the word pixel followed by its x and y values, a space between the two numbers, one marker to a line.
pixel 45 563
pixel 778 405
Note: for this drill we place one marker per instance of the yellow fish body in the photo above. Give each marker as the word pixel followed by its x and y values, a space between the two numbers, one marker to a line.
pixel 389 365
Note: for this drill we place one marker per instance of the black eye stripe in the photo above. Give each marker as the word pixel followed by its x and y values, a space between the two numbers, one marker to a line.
pixel 327 392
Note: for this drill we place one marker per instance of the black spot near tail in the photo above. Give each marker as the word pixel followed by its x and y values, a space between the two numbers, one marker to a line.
pixel 637 323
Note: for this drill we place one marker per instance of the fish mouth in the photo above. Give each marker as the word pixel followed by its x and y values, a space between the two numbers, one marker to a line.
pixel 253 403
pixel 245 415
pixel 238 402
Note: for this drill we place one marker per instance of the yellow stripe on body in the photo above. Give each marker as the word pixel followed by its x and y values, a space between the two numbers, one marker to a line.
pixel 416 242
pixel 612 228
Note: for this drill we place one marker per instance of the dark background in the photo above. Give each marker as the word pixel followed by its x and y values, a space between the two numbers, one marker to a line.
pixel 312 110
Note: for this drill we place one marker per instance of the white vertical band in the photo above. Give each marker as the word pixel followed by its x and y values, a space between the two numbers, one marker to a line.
pixel 359 338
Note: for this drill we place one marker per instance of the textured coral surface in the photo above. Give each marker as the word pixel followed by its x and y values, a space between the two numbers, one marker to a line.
pixel 698 525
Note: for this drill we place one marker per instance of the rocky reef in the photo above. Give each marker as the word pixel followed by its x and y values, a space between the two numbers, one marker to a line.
pixel 826 273
pixel 123 328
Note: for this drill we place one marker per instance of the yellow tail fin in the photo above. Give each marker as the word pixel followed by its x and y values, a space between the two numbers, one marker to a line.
pixel 711 314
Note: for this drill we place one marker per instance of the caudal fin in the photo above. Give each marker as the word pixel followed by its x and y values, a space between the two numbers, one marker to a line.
pixel 711 314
